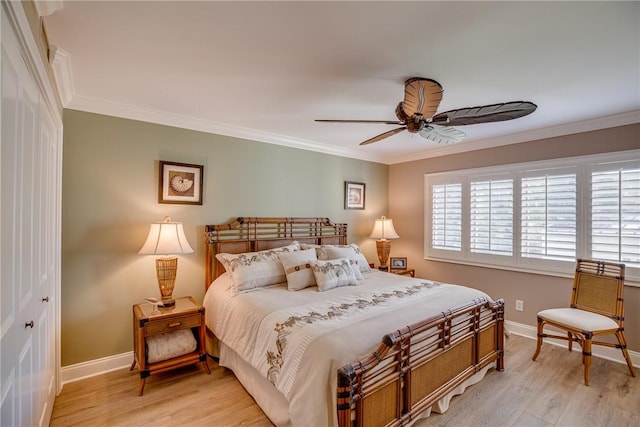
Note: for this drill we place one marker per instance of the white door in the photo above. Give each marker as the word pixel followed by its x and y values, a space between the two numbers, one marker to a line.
pixel 29 258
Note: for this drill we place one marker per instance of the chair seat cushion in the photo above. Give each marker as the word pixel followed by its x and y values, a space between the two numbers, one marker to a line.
pixel 579 319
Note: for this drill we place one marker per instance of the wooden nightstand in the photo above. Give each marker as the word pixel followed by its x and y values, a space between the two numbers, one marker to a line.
pixel 404 272
pixel 149 321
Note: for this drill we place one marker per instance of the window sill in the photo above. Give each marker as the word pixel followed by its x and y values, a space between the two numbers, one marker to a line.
pixel 631 281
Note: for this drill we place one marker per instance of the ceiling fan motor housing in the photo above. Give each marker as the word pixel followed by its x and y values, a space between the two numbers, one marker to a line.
pixel 413 123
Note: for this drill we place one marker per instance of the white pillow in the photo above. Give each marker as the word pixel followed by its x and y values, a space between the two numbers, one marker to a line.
pixel 251 270
pixel 333 273
pixel 305 246
pixel 362 260
pixel 172 344
pixel 297 267
pixel 351 251
pixel 228 259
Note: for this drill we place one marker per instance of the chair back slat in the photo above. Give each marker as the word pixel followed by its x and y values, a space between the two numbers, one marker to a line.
pixel 598 287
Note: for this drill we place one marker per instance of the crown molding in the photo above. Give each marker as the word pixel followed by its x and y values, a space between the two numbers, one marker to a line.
pixel 33 59
pixel 61 64
pixel 47 7
pixel 126 111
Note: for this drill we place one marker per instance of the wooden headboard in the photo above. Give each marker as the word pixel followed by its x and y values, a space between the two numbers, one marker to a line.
pixel 250 234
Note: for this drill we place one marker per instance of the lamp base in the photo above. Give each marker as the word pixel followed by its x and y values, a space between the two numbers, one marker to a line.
pixel 166 272
pixel 168 303
pixel 384 248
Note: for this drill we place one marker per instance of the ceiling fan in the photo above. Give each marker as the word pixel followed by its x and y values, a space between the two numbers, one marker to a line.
pixel 416 114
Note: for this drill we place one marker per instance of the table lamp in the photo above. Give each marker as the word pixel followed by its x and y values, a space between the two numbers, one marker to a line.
pixel 166 238
pixel 383 231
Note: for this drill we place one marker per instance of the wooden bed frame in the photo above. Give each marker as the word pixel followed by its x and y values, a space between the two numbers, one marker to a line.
pixel 412 368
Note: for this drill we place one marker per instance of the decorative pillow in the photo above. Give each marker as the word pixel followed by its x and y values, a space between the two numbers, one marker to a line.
pixel 333 273
pixel 362 260
pixel 297 267
pixel 173 344
pixel 304 246
pixel 351 251
pixel 227 259
pixel 250 270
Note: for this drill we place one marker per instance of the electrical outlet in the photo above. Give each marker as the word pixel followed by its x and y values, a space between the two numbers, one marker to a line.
pixel 519 305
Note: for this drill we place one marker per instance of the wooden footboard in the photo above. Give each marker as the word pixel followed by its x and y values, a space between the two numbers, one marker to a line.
pixel 414 367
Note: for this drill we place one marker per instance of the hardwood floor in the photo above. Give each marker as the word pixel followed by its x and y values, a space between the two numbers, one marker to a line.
pixel 548 392
pixel 183 397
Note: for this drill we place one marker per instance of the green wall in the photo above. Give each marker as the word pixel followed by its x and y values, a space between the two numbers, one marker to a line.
pixel 109 198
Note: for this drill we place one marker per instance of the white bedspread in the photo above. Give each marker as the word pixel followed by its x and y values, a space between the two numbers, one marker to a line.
pixel 298 340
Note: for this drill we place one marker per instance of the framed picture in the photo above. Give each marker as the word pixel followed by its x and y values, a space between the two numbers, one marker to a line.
pixel 398 263
pixel 354 194
pixel 180 183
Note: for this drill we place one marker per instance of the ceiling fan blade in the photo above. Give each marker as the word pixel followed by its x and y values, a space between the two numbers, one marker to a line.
pixel 383 136
pixel 442 134
pixel 388 122
pixel 421 96
pixel 485 114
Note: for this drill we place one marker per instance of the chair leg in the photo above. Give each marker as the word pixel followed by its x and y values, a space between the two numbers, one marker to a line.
pixel 570 336
pixel 625 352
pixel 586 357
pixel 539 343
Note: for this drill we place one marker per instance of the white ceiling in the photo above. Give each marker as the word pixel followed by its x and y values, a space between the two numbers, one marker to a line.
pixel 265 70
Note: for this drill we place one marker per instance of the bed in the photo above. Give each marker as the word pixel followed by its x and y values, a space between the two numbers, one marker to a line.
pixel 358 347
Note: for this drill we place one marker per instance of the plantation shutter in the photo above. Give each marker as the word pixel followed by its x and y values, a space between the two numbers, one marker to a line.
pixel 615 215
pixel 548 217
pixel 491 217
pixel 446 224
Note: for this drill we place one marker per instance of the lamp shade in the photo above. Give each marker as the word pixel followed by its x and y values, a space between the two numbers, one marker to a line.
pixel 166 238
pixel 383 229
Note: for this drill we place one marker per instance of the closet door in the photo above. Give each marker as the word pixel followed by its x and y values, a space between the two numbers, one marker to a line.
pixel 29 254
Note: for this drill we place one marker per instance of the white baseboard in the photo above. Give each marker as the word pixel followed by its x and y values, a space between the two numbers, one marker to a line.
pixel 119 361
pixel 608 353
pixel 95 367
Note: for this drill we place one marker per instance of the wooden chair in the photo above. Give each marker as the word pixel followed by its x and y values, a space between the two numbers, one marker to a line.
pixel 597 308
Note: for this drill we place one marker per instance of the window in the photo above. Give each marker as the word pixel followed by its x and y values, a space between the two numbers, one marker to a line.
pixel 548 218
pixel 491 223
pixel 538 216
pixel 615 215
pixel 447 217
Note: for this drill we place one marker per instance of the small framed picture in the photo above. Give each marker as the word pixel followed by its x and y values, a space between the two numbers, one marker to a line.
pixel 180 183
pixel 398 263
pixel 354 194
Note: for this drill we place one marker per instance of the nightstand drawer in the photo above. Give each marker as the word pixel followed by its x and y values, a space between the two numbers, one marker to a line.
pixel 173 324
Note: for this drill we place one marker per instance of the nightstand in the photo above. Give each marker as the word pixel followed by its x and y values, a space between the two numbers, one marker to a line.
pixel 167 325
pixel 404 272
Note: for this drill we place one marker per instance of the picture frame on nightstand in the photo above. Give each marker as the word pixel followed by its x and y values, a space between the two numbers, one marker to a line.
pixel 398 263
